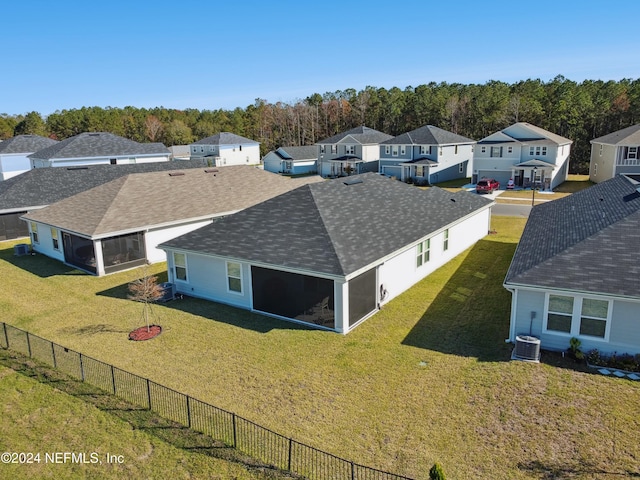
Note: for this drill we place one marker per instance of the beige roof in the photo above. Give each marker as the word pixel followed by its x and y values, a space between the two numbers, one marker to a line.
pixel 142 200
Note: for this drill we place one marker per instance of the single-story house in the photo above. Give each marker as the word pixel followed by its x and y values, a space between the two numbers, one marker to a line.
pixel 14 153
pixel 40 187
pixel 118 225
pixel 576 270
pixel 327 254
pixel 292 160
pixel 94 148
pixel 226 148
pixel 615 153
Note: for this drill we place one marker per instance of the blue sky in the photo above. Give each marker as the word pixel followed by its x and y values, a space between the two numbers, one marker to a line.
pixel 210 54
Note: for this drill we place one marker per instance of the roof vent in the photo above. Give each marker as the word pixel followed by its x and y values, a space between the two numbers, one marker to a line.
pixel 94 134
pixel 352 181
pixel 211 170
pixel 176 174
pixel 527 349
pixel 77 168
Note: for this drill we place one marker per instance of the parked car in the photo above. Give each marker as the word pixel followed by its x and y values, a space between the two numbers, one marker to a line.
pixel 487 185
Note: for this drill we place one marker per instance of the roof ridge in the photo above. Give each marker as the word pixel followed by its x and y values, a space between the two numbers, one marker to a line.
pixel 114 196
pixel 321 215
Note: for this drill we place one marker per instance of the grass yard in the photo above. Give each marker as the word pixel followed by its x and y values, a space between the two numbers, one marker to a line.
pixel 39 417
pixel 426 379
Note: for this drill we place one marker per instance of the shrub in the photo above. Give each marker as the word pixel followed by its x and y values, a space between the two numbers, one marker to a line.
pixel 436 472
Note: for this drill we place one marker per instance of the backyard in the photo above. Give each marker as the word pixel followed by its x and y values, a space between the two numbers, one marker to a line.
pixel 426 379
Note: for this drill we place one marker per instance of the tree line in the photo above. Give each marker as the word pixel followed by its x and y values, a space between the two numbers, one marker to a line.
pixel 578 111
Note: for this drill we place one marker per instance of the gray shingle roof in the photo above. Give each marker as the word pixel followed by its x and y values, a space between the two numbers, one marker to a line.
pixel 331 227
pixel 25 144
pixel 626 136
pixel 362 135
pixel 428 135
pixel 297 153
pixel 140 200
pixel 588 242
pixel 98 144
pixel 44 186
pixel 536 133
pixel 224 138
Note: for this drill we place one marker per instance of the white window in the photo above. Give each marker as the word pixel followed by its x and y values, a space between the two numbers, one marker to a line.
pixel 578 316
pixel 321 148
pixel 461 168
pixel 483 149
pixel 234 277
pixel 180 266
pixel 34 232
pixel 509 149
pixel 445 244
pixel 211 148
pixel 544 151
pixel 54 239
pixel 419 170
pixel 531 151
pixel 403 150
pixel 423 252
pixel 334 149
pixel 387 149
pixel 600 149
pixel 633 152
pixel 202 149
pixel 395 151
pixel 350 149
pixel 496 151
pixel 423 149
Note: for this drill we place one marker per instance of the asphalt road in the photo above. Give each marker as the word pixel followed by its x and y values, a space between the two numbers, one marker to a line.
pixel 510 210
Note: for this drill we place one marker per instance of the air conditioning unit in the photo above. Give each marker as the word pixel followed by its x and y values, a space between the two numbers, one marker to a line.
pixel 21 249
pixel 527 349
pixel 168 291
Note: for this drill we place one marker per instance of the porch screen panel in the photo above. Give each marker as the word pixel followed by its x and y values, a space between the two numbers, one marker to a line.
pixel 362 296
pixel 79 252
pixel 292 295
pixel 123 251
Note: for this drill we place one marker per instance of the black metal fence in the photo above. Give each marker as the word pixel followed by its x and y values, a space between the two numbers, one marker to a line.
pixel 242 434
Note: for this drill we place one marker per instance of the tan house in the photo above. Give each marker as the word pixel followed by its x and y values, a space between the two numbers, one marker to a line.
pixel 615 153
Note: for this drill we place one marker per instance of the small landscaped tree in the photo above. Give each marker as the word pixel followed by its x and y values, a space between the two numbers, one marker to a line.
pixel 436 472
pixel 146 291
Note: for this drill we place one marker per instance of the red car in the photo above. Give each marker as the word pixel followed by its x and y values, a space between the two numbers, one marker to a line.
pixel 487 185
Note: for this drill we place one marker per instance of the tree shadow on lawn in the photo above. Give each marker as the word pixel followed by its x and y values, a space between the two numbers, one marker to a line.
pixel 37 264
pixel 137 417
pixel 470 315
pixel 215 311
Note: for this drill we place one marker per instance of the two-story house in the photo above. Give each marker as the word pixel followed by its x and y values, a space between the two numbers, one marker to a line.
pixel 527 154
pixel 351 152
pixel 226 148
pixel 615 153
pixel 427 155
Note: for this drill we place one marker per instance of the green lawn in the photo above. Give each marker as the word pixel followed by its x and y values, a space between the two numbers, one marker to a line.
pixel 39 417
pixel 426 379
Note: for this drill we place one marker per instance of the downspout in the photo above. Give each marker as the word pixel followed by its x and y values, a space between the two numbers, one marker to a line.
pixel 512 323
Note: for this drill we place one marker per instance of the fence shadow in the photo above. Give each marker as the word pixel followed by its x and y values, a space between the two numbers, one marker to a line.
pixel 470 315
pixel 137 417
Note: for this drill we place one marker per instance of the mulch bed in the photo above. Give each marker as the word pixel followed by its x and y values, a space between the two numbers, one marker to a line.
pixel 143 333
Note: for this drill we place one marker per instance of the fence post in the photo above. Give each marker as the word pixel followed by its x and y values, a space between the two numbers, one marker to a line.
pixel 353 471
pixel 235 437
pixel 6 337
pixel 81 368
pixel 28 344
pixel 149 393
pixel 290 449
pixel 188 413
pixel 113 380
pixel 53 355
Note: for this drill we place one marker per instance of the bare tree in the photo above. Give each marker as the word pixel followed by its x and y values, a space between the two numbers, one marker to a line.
pixel 153 128
pixel 147 291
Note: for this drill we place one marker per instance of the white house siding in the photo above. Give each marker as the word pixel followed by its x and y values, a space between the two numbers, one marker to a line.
pixel 624 334
pixel 75 162
pixel 238 155
pixel 44 245
pixel 156 236
pixel 13 164
pixel 207 278
pixel 401 272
